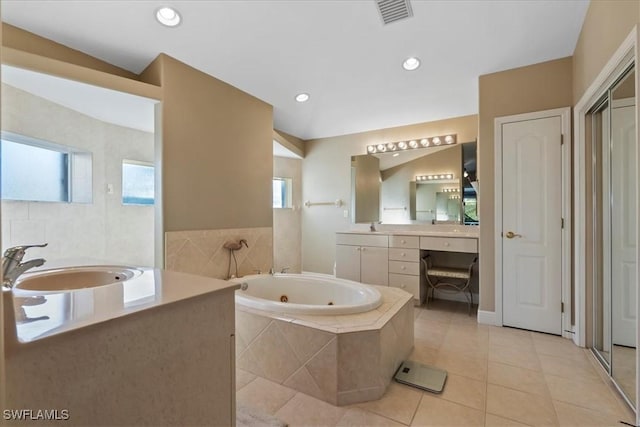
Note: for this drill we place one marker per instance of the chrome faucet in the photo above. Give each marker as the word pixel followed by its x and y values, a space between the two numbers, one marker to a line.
pixel 12 265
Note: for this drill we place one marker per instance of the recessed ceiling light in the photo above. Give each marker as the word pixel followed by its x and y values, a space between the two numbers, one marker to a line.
pixel 411 63
pixel 302 97
pixel 168 16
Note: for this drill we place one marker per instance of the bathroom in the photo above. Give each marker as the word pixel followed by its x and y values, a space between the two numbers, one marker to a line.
pixel 192 226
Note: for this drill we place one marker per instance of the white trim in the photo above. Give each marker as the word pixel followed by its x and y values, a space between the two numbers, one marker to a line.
pixel 565 116
pixel 604 79
pixel 487 317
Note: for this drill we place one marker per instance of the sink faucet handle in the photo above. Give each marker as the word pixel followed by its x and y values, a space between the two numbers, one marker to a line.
pixel 284 270
pixel 20 250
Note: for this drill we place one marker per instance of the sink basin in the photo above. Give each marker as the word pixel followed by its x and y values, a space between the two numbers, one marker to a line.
pixel 64 279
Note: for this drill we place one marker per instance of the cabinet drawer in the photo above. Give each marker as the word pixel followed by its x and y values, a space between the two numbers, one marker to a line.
pixel 450 244
pixel 396 254
pixel 412 268
pixel 377 240
pixel 412 242
pixel 410 284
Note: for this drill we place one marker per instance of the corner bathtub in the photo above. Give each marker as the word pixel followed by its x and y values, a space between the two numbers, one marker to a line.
pixel 306 294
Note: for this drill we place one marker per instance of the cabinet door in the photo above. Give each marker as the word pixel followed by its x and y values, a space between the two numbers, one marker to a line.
pixel 348 262
pixel 374 265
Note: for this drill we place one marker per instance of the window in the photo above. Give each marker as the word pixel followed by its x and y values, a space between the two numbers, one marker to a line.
pixel 282 193
pixel 36 170
pixel 137 183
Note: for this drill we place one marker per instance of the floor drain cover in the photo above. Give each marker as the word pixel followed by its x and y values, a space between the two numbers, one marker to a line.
pixel 421 376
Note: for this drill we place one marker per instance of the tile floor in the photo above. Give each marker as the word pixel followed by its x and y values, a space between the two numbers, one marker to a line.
pixel 497 377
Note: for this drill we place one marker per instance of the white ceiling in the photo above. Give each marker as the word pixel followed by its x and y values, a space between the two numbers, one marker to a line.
pixel 338 51
pixel 110 106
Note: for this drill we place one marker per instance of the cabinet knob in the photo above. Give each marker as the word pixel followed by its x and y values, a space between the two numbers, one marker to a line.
pixel 363 249
pixel 403 268
pixel 403 254
pixel 446 243
pixel 358 249
pixel 403 241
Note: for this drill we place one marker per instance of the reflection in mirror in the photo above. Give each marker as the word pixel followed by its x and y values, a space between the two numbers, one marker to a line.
pixel 365 188
pixel 612 138
pixel 436 201
pixel 623 249
pixel 470 184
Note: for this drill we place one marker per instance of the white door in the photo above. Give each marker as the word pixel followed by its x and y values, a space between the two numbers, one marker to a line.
pixel 623 225
pixel 531 224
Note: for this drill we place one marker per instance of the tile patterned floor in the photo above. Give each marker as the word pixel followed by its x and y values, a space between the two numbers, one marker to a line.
pixel 497 377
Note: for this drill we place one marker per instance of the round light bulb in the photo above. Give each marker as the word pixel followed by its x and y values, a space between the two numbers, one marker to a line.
pixel 391 146
pixel 302 97
pixel 448 139
pixel 413 144
pixel 168 16
pixel 371 149
pixel 411 63
pixel 424 142
pixel 436 141
pixel 402 145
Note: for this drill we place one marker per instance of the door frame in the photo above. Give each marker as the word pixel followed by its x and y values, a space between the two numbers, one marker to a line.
pixel 626 52
pixel 565 116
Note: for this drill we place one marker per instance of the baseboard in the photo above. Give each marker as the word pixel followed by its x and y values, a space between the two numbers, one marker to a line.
pixel 487 317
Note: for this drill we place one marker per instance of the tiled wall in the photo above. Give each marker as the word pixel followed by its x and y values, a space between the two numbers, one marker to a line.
pixel 104 230
pixel 287 223
pixel 201 252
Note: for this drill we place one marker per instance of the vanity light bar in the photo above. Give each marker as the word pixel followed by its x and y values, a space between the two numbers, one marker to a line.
pixel 450 190
pixel 432 177
pixel 433 141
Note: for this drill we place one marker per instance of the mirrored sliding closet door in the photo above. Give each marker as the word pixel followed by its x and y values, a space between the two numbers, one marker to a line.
pixel 614 188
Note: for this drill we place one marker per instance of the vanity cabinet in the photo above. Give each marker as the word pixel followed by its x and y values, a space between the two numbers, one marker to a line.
pixel 390 259
pixel 405 269
pixel 363 258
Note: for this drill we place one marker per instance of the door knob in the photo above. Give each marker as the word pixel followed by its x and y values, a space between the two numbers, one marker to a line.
pixel 511 235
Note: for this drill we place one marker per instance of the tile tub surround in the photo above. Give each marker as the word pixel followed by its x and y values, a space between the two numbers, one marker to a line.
pixel 200 251
pixel 339 359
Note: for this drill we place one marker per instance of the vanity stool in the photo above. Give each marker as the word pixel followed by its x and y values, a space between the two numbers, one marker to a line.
pixel 449 279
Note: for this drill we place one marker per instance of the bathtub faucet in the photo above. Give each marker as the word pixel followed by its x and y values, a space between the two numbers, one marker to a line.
pixel 12 265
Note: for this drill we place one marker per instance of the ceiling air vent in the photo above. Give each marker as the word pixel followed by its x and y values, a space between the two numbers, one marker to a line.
pixel 394 10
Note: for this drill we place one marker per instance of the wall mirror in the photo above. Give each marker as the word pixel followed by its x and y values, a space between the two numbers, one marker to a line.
pixel 87 138
pixel 612 138
pixel 396 193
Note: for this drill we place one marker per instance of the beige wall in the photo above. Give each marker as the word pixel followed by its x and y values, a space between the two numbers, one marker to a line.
pixel 287 223
pixel 533 88
pixel 326 176
pixel 105 229
pixel 216 151
pixel 607 24
pixel 290 142
pixel 25 41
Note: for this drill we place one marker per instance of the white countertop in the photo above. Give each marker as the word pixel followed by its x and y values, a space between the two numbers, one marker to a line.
pixel 436 231
pixel 61 311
